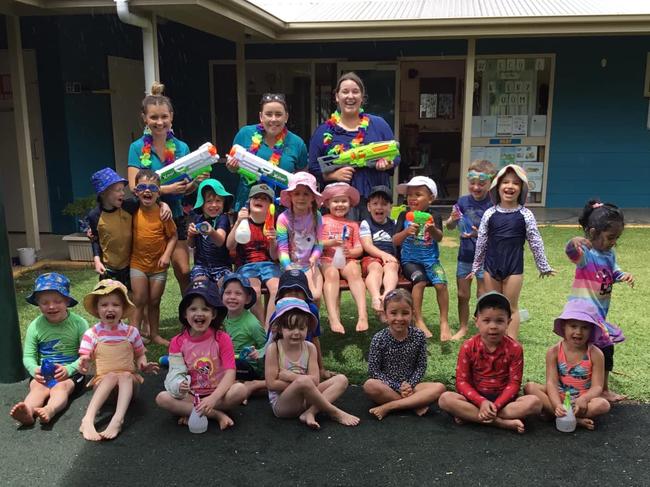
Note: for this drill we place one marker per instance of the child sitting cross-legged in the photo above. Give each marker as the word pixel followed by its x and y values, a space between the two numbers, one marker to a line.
pixel 118 353
pixel 397 361
pixel 245 330
pixel 54 335
pixel 201 360
pixel 575 365
pixel 489 372
pixel 207 233
pixel 340 233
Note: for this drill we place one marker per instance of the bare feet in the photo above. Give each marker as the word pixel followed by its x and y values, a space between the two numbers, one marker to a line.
pixel 158 340
pixel 182 421
pixel 112 430
pixel 87 429
pixel 445 332
pixel 310 420
pixel 337 328
pixel 586 423
pixel 144 330
pixel 458 420
pixel 44 414
pixel 421 411
pixel 223 419
pixel 423 326
pixel 613 397
pixel 377 305
pixel 460 333
pixel 362 325
pixel 22 413
pixel 380 412
pixel 510 424
pixel 344 418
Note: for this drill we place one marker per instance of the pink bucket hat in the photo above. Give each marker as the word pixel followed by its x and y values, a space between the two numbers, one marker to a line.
pixel 341 189
pixel 300 179
pixel 521 174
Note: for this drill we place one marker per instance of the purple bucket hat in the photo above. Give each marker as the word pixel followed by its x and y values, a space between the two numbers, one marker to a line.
pixel 582 311
pixel 285 305
pixel 104 178
pixel 300 179
pixel 52 281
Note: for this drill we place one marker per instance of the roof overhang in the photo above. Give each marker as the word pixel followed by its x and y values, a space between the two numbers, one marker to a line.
pixel 240 20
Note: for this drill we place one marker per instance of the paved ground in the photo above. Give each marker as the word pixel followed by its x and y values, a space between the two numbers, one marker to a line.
pixel 261 450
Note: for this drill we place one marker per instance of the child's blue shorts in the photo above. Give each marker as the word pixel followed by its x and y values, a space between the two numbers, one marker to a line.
pixel 463 269
pixel 263 271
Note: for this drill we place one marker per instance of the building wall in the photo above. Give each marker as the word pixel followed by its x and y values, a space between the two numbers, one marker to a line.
pixel 600 145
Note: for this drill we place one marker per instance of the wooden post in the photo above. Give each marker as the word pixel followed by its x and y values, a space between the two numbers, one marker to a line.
pixel 466 147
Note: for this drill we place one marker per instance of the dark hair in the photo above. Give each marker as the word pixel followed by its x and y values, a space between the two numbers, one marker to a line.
pixel 207 190
pixel 351 76
pixel 274 97
pixel 215 324
pixel 156 98
pixel 398 295
pixel 291 320
pixel 381 195
pixel 600 217
pixel 147 174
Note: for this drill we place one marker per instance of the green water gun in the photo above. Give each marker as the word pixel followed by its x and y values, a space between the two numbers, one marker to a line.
pixel 361 156
pixel 421 218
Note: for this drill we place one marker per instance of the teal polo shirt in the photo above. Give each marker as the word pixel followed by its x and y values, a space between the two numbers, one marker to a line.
pixel 294 157
pixel 135 151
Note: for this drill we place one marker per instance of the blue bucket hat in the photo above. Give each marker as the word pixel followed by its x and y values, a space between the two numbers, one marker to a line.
pixel 219 190
pixel 245 283
pixel 104 178
pixel 52 281
pixel 209 292
pixel 294 279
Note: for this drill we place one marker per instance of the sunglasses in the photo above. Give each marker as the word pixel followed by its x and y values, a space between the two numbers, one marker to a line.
pixel 140 188
pixel 268 97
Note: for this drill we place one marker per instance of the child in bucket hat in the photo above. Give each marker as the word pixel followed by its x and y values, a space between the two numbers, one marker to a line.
pixel 575 365
pixel 300 230
pixel 207 233
pixel 291 370
pixel 111 225
pixel 118 353
pixel 504 229
pixel 52 338
pixel 201 360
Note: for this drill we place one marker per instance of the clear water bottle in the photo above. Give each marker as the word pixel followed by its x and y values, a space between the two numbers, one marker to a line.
pixel 243 232
pixel 339 258
pixel 524 315
pixel 566 423
pixel 197 423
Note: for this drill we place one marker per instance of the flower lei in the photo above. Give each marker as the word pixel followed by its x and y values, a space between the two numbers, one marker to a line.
pixel 169 154
pixel 333 121
pixel 256 142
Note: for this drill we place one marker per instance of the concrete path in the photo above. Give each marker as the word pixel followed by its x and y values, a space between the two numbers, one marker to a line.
pixel 262 450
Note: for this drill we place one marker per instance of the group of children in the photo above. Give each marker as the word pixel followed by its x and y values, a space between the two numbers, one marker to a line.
pixel 230 347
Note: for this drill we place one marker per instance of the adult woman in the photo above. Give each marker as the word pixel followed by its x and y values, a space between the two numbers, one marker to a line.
pixel 271 141
pixel 350 126
pixel 154 150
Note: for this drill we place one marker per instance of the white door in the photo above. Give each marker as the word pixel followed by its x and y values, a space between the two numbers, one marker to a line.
pixel 126 82
pixel 9 170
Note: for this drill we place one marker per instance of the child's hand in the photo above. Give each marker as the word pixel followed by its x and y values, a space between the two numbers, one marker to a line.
pixel 413 229
pixel 346 251
pixel 487 412
pixel 206 405
pixel 629 278
pixel 270 234
pixel 469 276
pixel 84 364
pixel 149 367
pixel 388 259
pixel 254 354
pixel 472 234
pixel 163 262
pixel 405 389
pixel 578 242
pixel 560 411
pixel 286 375
pixel 550 273
pixel 313 261
pixel 165 212
pixel 580 406
pixel 191 230
pixel 184 387
pixel 60 373
pixel 455 214
pixel 242 215
pixel 38 377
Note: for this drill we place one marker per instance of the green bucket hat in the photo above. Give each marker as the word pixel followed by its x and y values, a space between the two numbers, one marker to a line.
pixel 219 190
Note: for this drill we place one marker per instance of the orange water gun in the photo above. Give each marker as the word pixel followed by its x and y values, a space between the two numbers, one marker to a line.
pixel 269 223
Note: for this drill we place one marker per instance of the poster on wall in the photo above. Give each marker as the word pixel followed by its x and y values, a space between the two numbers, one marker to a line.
pixel 504 125
pixel 508 156
pixel 428 105
pixel 520 125
pixel 538 126
pixel 526 153
pixel 535 172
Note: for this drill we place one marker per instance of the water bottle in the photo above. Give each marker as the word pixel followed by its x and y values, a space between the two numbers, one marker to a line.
pixel 243 232
pixel 566 423
pixel 48 369
pixel 245 352
pixel 339 259
pixel 197 423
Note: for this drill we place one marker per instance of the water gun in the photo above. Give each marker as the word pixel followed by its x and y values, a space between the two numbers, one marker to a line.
pixel 48 369
pixel 269 223
pixel 190 166
pixel 421 218
pixel 255 170
pixel 344 234
pixel 360 156
pixel 245 352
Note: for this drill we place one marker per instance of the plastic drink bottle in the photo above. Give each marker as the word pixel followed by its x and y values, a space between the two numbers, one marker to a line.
pixel 245 352
pixel 243 232
pixel 47 371
pixel 566 423
pixel 339 260
pixel 197 422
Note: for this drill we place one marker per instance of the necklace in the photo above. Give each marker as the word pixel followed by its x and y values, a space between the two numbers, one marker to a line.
pixel 333 121
pixel 256 142
pixel 169 154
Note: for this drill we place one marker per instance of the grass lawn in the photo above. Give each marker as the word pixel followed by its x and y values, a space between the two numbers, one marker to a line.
pixel 544 299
